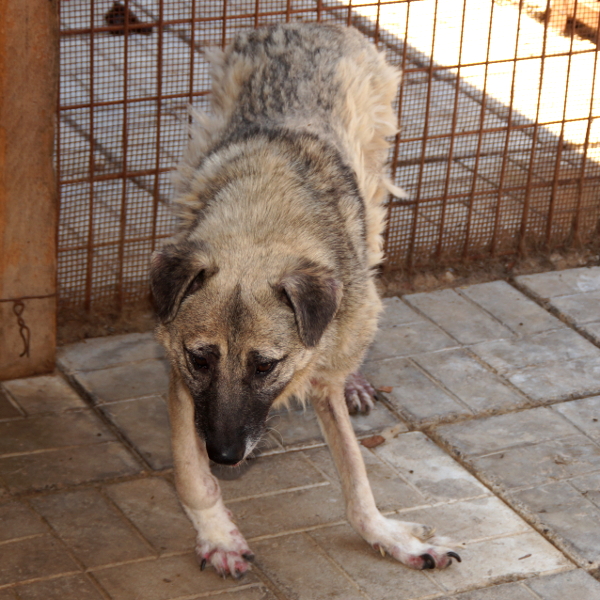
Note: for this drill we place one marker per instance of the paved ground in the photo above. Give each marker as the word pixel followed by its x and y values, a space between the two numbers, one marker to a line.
pixel 494 394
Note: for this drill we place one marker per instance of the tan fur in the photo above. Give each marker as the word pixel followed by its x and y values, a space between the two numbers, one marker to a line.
pixel 267 291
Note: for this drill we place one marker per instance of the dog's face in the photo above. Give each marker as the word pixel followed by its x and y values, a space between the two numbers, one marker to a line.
pixel 238 339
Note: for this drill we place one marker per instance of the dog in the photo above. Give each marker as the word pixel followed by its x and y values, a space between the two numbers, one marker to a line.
pixel 267 290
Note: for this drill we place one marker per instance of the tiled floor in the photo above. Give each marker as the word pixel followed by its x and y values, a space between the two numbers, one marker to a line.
pixel 490 398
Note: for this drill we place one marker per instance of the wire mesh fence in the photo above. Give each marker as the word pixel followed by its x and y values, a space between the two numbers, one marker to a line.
pixel 499 147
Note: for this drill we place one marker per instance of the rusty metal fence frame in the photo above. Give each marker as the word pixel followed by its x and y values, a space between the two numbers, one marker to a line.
pixel 483 182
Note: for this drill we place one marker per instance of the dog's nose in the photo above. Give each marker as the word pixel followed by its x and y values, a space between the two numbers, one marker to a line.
pixel 226 455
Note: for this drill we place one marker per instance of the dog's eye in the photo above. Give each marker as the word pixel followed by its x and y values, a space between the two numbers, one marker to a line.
pixel 266 367
pixel 198 362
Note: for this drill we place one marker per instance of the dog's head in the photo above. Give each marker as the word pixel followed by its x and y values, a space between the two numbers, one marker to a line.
pixel 239 336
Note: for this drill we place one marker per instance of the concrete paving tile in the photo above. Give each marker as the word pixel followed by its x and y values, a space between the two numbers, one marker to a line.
pixel 295 427
pixel 584 414
pixel 562 283
pixel 396 312
pixel 506 591
pixel 568 515
pixel 52 431
pixel 593 330
pixel 414 395
pixel 390 491
pixel 299 427
pixel 145 423
pixel 428 468
pixel 460 318
pixel 575 584
pixel 494 561
pixel 479 388
pixel 508 356
pixel 515 310
pixel 91 527
pixel 101 353
pixel 45 393
pixel 17 521
pixel 163 579
pixel 34 558
pixel 579 308
pixel 491 434
pixel 379 418
pixel 559 381
pixel 124 382
pixel 405 340
pixel 74 587
pixel 469 520
pixel 67 466
pixel 541 463
pixel 7 409
pixel 589 487
pixel 297 566
pixel 289 511
pixel 272 474
pixel 247 593
pixel 153 507
pixel 381 578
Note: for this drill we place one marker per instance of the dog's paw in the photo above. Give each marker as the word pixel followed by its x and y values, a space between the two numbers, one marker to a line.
pixel 412 544
pixel 360 395
pixel 219 542
pixel 229 556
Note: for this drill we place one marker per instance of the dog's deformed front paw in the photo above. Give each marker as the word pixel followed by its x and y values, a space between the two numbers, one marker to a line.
pixel 230 556
pixel 412 544
pixel 359 393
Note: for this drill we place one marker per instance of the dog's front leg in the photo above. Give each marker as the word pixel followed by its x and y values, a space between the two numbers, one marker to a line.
pixel 410 543
pixel 218 542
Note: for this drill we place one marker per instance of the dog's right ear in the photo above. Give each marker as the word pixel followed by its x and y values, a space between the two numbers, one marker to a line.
pixel 177 271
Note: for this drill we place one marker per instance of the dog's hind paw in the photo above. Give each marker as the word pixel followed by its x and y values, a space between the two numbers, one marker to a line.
pixel 360 394
pixel 412 544
pixel 228 557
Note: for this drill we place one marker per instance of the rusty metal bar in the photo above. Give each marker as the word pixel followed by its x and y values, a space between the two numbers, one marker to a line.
pixel 410 254
pixel 438 250
pixel 90 229
pixel 472 195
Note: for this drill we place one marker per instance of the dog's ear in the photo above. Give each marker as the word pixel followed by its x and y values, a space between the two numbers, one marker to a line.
pixel 177 271
pixel 314 295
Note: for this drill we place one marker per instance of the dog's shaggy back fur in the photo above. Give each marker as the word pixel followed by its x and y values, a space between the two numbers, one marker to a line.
pixel 325 80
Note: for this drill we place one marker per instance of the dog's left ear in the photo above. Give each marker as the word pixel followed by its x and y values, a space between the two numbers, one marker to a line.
pixel 177 271
pixel 315 295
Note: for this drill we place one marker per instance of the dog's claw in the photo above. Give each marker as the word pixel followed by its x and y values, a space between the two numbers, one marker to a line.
pixel 250 557
pixel 428 562
pixel 203 564
pixel 360 395
pixel 454 555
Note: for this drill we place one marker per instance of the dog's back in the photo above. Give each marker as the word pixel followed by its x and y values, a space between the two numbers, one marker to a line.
pixel 325 81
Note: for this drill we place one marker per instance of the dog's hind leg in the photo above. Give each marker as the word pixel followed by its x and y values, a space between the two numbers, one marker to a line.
pixel 218 541
pixel 410 543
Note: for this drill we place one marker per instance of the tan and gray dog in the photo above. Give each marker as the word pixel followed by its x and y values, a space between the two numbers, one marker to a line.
pixel 267 292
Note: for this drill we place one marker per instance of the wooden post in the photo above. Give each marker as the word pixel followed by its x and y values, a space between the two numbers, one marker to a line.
pixel 28 198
